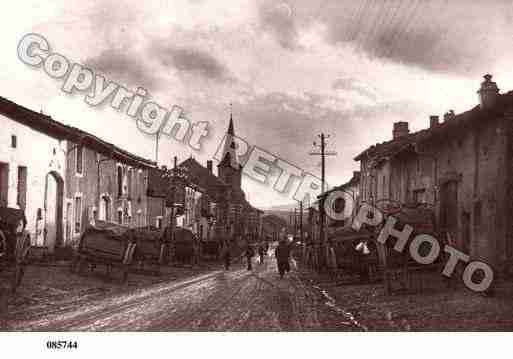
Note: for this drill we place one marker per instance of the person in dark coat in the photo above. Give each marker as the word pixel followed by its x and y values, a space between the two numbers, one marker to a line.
pixel 282 254
pixel 261 253
pixel 226 255
pixel 249 254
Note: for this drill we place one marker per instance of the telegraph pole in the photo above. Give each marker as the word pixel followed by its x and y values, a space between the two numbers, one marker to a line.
pixel 301 222
pixel 295 223
pixel 323 153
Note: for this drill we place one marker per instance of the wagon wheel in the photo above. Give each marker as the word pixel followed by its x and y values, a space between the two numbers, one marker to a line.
pixel 18 269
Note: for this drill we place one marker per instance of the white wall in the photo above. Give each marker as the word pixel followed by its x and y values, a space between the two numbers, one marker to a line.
pixel 35 151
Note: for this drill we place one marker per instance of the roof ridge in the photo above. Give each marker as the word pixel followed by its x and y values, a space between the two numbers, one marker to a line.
pixel 65 131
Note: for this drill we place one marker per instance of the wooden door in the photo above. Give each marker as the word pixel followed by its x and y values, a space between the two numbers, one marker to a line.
pixel 449 209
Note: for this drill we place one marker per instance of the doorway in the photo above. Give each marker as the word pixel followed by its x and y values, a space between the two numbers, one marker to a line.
pixel 69 213
pixel 449 210
pixel 4 184
pixel 105 208
pixel 53 211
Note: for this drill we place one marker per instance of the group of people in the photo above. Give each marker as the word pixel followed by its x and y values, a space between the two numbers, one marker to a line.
pixel 282 254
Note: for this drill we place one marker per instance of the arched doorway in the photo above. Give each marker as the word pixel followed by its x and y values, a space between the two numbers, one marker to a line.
pixel 53 212
pixel 105 208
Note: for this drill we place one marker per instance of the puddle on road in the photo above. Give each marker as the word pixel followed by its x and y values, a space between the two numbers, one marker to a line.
pixel 332 304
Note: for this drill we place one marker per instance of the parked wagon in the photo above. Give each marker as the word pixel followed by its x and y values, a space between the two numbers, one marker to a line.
pixel 400 271
pixel 108 244
pixel 14 248
pixel 356 253
pixel 185 245
pixel 152 247
pixel 210 249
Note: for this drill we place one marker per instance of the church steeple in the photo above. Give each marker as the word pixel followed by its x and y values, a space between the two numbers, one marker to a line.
pixel 229 169
pixel 230 126
pixel 229 154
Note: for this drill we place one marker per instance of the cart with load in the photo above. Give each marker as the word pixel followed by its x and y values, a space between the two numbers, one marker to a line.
pixel 185 246
pixel 355 253
pixel 108 244
pixel 400 271
pixel 210 248
pixel 14 248
pixel 152 248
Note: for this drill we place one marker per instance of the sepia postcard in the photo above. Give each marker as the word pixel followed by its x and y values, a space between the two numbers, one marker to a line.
pixel 175 169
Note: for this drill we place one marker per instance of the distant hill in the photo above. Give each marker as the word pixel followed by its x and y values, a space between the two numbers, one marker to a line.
pixel 282 207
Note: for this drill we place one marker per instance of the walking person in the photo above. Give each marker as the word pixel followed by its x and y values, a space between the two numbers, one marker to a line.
pixel 261 253
pixel 226 255
pixel 282 254
pixel 249 254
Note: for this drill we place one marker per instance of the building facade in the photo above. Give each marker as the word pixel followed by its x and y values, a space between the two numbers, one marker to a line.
pixel 65 178
pixel 32 171
pixel 461 168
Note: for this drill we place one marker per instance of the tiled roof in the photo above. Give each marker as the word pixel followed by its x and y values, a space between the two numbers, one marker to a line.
pixel 201 176
pixel 45 124
pixel 460 122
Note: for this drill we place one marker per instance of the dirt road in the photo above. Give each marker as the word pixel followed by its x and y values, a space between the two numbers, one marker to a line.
pixel 234 300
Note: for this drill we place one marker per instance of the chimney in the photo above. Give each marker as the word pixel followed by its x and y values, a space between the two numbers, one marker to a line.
pixel 433 121
pixel 449 115
pixel 400 129
pixel 488 92
pixel 209 166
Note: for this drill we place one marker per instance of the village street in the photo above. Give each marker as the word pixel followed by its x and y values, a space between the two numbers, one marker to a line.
pixel 208 298
pixel 236 300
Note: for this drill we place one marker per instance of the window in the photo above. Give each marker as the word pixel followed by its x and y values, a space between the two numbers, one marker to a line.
pixel 120 216
pixel 419 196
pixel 159 222
pixel 129 183
pixel 477 213
pixel 79 160
pixel 14 141
pixel 120 181
pixel 21 199
pixel 78 214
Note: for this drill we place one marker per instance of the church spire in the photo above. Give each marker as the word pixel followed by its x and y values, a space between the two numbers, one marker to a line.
pixel 230 126
pixel 229 149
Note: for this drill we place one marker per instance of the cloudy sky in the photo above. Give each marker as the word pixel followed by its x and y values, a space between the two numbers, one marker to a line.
pixel 291 68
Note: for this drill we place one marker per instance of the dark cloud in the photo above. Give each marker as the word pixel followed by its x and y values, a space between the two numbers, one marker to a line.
pixel 122 65
pixel 278 19
pixel 458 36
pixel 192 60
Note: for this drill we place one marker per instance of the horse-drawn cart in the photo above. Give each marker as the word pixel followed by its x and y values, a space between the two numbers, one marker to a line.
pixel 106 244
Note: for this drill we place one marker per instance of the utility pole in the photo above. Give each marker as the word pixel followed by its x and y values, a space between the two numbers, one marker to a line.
pixel 295 223
pixel 301 222
pixel 322 230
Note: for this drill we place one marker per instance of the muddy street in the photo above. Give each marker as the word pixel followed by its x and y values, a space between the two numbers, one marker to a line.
pixel 234 300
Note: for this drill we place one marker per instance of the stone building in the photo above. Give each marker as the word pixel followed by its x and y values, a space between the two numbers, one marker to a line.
pixel 107 183
pixel 460 167
pixel 64 178
pixel 32 170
